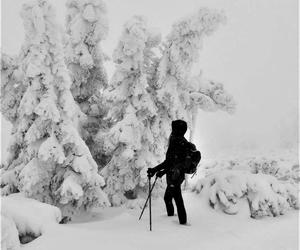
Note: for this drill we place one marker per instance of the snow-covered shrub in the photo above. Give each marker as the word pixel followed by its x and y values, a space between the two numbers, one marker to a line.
pixel 281 168
pixel 291 173
pixel 129 139
pixel 27 216
pixel 264 166
pixel 266 195
pixel 284 167
pixel 49 161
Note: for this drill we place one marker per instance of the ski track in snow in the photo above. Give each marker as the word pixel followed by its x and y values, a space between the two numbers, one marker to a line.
pixel 118 228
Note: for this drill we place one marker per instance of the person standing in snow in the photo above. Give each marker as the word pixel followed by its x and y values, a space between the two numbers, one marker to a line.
pixel 173 167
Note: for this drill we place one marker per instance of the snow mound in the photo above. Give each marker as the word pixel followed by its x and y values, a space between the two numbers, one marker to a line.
pixel 265 195
pixel 136 203
pixel 9 234
pixel 30 216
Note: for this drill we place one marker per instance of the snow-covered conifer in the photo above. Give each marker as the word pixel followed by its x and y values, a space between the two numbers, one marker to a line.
pixel 87 26
pixel 170 80
pixel 51 163
pixel 176 96
pixel 129 139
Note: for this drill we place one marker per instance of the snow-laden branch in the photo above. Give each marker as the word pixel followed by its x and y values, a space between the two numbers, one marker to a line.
pixel 185 41
pixel 12 88
pixel 210 95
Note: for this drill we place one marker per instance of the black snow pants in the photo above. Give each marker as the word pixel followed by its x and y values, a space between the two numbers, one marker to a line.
pixel 175 192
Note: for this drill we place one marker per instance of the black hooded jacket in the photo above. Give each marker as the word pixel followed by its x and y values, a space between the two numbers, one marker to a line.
pixel 176 153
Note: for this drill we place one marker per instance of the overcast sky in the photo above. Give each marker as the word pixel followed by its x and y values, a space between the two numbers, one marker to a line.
pixel 254 55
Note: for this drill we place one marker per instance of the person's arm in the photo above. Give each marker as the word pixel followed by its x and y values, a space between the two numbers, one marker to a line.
pixel 161 173
pixel 165 165
pixel 161 166
pixel 193 147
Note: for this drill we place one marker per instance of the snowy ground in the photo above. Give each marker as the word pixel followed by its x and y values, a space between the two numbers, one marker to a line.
pixel 118 228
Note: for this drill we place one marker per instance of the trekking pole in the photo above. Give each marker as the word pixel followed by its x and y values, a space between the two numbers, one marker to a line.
pixel 149 178
pixel 148 197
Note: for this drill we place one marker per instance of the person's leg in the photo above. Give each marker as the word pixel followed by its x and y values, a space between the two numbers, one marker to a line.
pixel 180 205
pixel 168 200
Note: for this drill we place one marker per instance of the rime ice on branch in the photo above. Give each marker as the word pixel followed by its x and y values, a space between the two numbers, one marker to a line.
pixel 49 161
pixel 130 139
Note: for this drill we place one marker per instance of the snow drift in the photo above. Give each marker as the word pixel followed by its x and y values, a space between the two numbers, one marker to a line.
pixel 23 216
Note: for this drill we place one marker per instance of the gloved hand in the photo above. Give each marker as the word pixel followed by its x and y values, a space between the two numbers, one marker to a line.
pixel 151 172
pixel 160 174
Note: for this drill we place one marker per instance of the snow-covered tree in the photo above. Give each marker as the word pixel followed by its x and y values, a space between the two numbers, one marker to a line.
pixel 87 26
pixel 49 161
pixel 178 94
pixel 174 88
pixel 129 139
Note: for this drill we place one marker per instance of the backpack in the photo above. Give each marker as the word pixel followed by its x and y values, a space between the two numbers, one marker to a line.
pixel 189 166
pixel 192 160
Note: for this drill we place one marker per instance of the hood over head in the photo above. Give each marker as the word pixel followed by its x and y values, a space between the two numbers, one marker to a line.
pixel 179 127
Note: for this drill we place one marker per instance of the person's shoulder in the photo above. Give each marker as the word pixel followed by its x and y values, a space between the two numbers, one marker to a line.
pixel 188 144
